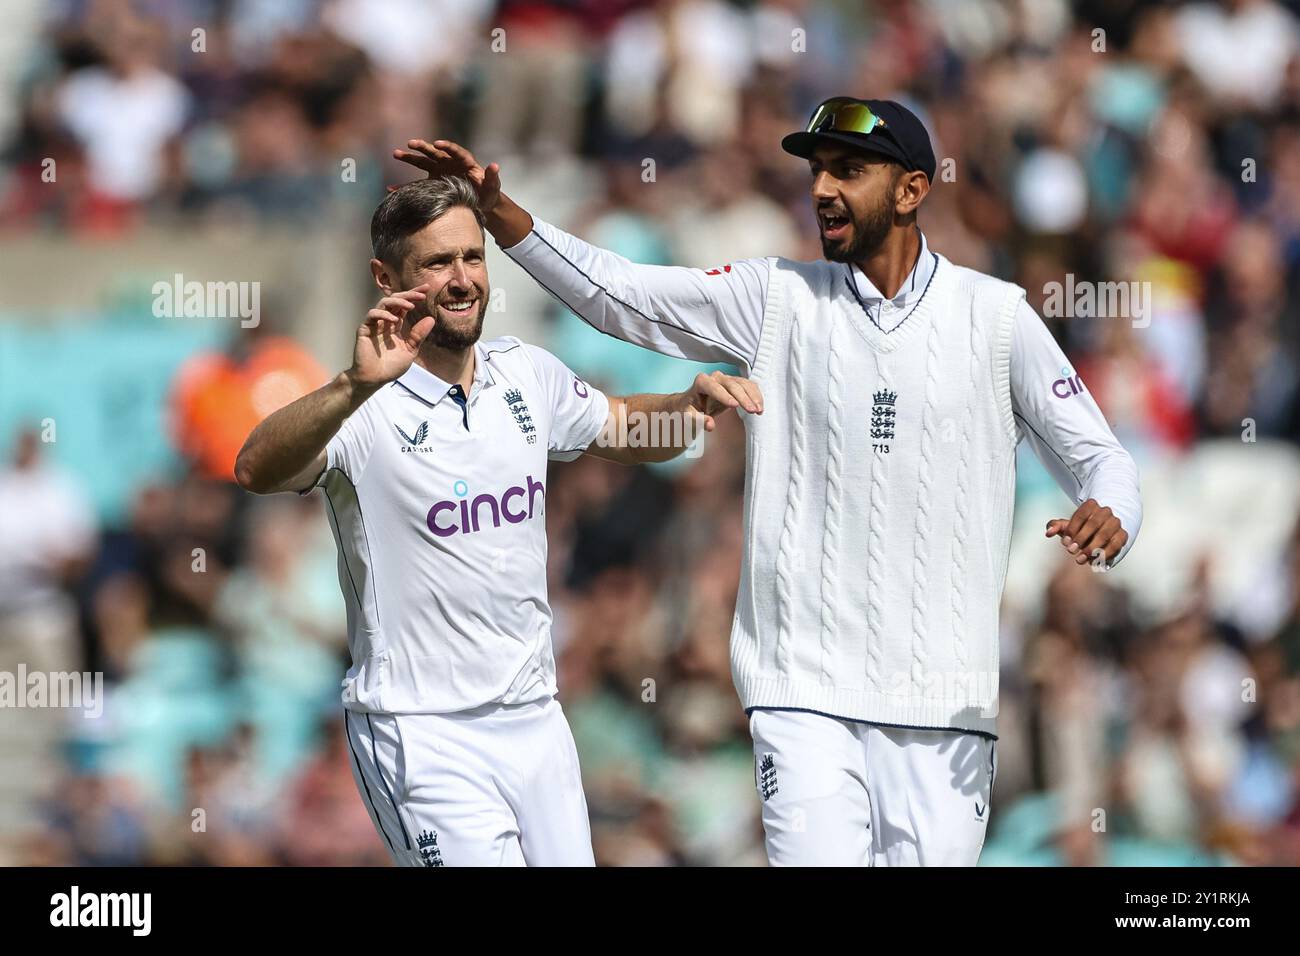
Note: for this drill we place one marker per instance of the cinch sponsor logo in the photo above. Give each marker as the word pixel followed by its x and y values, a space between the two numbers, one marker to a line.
pixel 465 515
pixel 1070 384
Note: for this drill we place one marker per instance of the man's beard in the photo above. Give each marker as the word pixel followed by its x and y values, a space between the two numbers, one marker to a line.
pixel 458 337
pixel 868 234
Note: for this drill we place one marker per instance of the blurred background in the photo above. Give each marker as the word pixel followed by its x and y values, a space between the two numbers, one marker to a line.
pixel 1149 716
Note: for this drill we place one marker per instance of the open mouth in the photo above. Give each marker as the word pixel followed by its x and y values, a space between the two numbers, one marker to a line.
pixel 834 226
pixel 458 308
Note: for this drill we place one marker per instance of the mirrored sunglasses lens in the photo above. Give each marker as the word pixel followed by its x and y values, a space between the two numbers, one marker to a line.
pixel 845 116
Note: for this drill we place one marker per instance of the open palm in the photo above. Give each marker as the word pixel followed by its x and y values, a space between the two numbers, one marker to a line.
pixel 445 158
pixel 387 343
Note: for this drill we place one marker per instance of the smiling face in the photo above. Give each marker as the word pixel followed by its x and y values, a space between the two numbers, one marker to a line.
pixel 448 255
pixel 855 197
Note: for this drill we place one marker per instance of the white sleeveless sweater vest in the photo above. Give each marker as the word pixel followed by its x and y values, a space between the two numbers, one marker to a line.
pixel 878 502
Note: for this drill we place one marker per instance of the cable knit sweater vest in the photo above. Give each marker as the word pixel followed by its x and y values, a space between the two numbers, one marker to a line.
pixel 878 502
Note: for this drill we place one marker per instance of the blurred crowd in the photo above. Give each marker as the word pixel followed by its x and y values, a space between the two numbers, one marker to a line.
pixel 1148 142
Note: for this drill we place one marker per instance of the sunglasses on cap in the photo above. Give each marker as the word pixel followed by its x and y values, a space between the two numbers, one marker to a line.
pixel 843 114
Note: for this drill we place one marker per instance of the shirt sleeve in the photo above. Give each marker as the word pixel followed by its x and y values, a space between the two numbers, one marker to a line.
pixel 578 410
pixel 349 449
pixel 713 315
pixel 1066 429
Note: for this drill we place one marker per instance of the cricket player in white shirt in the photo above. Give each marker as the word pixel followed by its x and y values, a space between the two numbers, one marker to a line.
pixel 432 452
pixel 880 483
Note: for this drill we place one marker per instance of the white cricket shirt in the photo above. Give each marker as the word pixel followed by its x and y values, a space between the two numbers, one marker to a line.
pixel 438 505
pixel 880 479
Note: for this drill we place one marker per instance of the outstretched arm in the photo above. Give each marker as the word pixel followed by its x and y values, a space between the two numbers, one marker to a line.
pixel 649 428
pixel 713 315
pixel 1072 439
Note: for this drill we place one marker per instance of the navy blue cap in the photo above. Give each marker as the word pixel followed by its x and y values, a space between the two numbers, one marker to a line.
pixel 903 138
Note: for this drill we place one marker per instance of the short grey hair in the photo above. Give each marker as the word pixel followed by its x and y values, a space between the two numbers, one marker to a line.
pixel 409 208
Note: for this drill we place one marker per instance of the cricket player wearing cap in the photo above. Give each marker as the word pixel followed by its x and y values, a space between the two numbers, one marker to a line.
pixel 880 483
pixel 431 450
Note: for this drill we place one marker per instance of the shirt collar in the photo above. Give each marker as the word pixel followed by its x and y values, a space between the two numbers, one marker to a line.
pixel 430 389
pixel 912 286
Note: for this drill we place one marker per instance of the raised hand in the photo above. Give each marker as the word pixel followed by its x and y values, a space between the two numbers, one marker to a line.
pixel 445 158
pixel 387 342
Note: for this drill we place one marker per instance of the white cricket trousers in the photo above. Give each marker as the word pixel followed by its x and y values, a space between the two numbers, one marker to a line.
pixel 845 793
pixel 494 786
